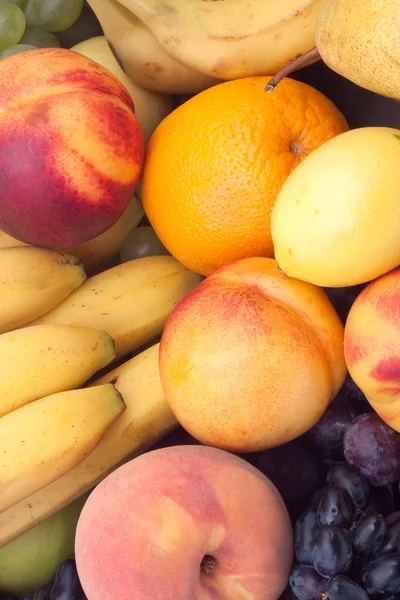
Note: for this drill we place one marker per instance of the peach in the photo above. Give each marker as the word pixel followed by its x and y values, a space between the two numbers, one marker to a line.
pixel 251 358
pixel 71 148
pixel 184 523
pixel 372 345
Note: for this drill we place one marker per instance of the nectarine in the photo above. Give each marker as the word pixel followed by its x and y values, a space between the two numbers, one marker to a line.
pixel 71 148
pixel 251 358
pixel 372 345
pixel 184 523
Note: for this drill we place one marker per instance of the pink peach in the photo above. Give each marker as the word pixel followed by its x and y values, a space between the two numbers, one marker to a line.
pixel 184 523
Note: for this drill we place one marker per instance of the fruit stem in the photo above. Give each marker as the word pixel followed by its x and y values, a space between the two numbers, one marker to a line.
pixel 301 61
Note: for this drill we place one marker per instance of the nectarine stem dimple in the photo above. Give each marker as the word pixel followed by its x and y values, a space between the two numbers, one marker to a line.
pixel 208 564
pixel 301 61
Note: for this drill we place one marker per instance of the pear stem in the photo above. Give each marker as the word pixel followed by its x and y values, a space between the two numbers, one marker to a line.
pixel 301 61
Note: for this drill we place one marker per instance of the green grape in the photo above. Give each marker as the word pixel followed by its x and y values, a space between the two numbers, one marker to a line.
pixel 11 50
pixel 142 241
pixel 52 15
pixel 39 38
pixel 20 3
pixel 12 24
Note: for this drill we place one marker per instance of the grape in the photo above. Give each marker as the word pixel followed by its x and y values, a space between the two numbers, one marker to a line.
pixel 11 50
pixel 328 432
pixel 374 448
pixel 52 15
pixel 343 588
pixel 67 585
pixel 40 39
pixel 12 24
pixel 142 241
pixel 306 583
pixel 349 479
pixel 381 577
pixel 367 534
pixel 332 553
pixel 43 592
pixel 305 531
pixel 335 508
pixel 391 541
pixel 351 389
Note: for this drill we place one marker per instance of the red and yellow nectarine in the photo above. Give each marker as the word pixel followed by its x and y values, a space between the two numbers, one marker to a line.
pixel 251 358
pixel 71 148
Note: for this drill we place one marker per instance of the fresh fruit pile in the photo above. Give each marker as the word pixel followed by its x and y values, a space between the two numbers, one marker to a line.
pixel 199 292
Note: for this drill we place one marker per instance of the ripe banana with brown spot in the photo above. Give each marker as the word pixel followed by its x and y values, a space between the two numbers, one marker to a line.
pixel 185 47
pixel 45 359
pixel 146 420
pixel 131 301
pixel 42 441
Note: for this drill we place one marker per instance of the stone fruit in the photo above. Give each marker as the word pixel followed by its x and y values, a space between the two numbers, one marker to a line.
pixel 250 358
pixel 176 47
pixel 215 165
pixel 96 254
pixel 188 523
pixel 372 345
pixel 150 107
pixel 32 559
pixel 329 224
pixel 71 148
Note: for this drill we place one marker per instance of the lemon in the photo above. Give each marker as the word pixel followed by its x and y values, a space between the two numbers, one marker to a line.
pixel 336 220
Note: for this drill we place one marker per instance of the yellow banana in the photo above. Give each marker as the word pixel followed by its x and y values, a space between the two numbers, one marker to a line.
pixel 45 359
pixel 183 47
pixel 147 419
pixel 33 281
pixel 98 252
pixel 44 440
pixel 131 301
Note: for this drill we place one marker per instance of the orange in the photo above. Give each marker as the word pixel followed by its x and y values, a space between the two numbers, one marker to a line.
pixel 215 165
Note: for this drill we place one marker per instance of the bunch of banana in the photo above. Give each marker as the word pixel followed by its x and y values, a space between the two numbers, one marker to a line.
pixel 57 438
pixel 146 420
pixel 185 47
pixel 97 253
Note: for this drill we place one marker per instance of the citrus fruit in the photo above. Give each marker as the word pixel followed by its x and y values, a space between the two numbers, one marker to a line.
pixel 215 165
pixel 336 221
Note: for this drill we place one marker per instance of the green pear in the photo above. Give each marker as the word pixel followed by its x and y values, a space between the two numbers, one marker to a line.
pixel 359 39
pixel 32 559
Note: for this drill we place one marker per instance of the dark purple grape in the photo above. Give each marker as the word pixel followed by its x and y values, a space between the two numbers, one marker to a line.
pixel 367 534
pixel 393 517
pixel 391 541
pixel 373 447
pixel 304 536
pixel 351 389
pixel 381 577
pixel 352 481
pixel 316 498
pixel 43 592
pixel 335 508
pixel 306 583
pixel 292 468
pixel 343 588
pixel 332 552
pixel 67 585
pixel 328 432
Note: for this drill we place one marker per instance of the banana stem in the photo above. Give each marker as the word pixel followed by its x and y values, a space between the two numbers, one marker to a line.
pixel 298 63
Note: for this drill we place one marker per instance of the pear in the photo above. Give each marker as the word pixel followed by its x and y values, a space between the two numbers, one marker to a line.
pixel 33 558
pixel 358 39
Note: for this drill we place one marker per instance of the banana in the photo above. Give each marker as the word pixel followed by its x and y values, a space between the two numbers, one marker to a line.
pixel 95 254
pixel 131 301
pixel 183 47
pixel 45 359
pixel 33 281
pixel 44 440
pixel 147 419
